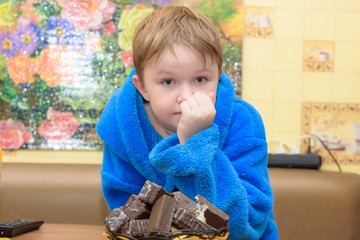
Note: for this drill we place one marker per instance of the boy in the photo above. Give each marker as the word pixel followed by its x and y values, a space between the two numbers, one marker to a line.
pixel 177 123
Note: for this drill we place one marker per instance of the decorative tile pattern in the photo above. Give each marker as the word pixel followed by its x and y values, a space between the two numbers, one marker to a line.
pixel 318 56
pixel 338 126
pixel 259 22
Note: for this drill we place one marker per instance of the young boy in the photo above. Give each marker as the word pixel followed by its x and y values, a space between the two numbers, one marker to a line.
pixel 176 122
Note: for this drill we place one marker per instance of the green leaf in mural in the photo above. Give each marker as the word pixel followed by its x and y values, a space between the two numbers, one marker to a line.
pixel 1 62
pixel 232 53
pixel 46 9
pixel 109 44
pixel 124 2
pixel 41 85
pixel 23 105
pixel 218 11
pixel 8 94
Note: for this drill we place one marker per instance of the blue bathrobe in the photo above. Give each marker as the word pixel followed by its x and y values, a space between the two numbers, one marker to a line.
pixel 226 163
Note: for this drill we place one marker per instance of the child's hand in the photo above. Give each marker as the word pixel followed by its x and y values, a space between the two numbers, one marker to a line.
pixel 198 113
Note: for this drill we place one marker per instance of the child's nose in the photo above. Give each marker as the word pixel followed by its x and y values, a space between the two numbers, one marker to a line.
pixel 184 93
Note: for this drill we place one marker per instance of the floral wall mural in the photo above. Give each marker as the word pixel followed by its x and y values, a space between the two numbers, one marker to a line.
pixel 60 61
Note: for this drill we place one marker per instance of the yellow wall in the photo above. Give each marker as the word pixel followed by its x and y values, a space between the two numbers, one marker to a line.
pixel 274 80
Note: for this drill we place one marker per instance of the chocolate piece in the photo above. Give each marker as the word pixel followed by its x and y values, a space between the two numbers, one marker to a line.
pixel 185 202
pixel 151 192
pixel 135 228
pixel 185 220
pixel 154 212
pixel 214 216
pixel 161 215
pixel 115 220
pixel 179 196
pixel 134 208
pixel 182 198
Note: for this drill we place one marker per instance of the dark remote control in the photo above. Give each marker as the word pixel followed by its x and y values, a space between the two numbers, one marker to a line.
pixel 18 226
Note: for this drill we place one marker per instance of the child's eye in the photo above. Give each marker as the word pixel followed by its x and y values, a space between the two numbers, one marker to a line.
pixel 168 82
pixel 200 80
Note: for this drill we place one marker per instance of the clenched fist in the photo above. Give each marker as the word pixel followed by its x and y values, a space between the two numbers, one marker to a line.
pixel 197 113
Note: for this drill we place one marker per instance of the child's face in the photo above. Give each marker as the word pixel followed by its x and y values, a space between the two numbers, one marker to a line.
pixel 172 80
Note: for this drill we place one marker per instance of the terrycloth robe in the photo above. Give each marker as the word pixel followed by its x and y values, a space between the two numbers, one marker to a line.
pixel 226 163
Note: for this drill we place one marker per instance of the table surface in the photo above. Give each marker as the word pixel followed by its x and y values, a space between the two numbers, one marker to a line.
pixel 51 231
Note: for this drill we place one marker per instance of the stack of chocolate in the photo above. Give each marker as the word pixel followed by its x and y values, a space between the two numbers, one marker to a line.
pixel 155 212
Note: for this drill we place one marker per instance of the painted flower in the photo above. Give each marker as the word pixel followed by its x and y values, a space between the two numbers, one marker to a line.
pixel 127 58
pixel 7 15
pixel 26 39
pixel 7 44
pixel 21 69
pixel 93 42
pixel 22 40
pixel 13 134
pixel 59 30
pixel 89 14
pixel 28 13
pixel 58 125
pixel 109 28
pixel 56 65
pixel 128 22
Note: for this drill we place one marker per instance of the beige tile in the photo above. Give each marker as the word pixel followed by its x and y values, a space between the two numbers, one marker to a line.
pixel 260 3
pixel 351 5
pixel 257 85
pixel 347 57
pixel 320 4
pixel 319 25
pixel 347 87
pixel 287 86
pixel 290 3
pixel 289 24
pixel 288 55
pixel 348 26
pixel 258 53
pixel 318 87
pixel 286 117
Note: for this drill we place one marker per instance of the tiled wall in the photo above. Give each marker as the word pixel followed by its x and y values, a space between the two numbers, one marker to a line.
pixel 275 78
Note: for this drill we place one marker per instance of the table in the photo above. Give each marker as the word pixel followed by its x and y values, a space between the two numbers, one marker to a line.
pixel 52 231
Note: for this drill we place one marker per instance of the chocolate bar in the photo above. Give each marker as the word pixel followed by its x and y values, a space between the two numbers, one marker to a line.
pixel 135 228
pixel 151 192
pixel 185 220
pixel 161 215
pixel 134 208
pixel 116 219
pixel 214 216
pixel 153 212
pixel 179 196
pixel 185 202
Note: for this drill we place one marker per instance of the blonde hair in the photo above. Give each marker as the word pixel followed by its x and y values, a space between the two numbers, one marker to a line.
pixel 169 25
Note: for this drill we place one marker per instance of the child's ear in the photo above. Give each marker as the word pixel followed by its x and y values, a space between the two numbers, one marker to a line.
pixel 140 87
pixel 221 71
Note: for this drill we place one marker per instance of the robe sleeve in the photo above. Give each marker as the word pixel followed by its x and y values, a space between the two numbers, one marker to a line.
pixel 118 179
pixel 233 177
